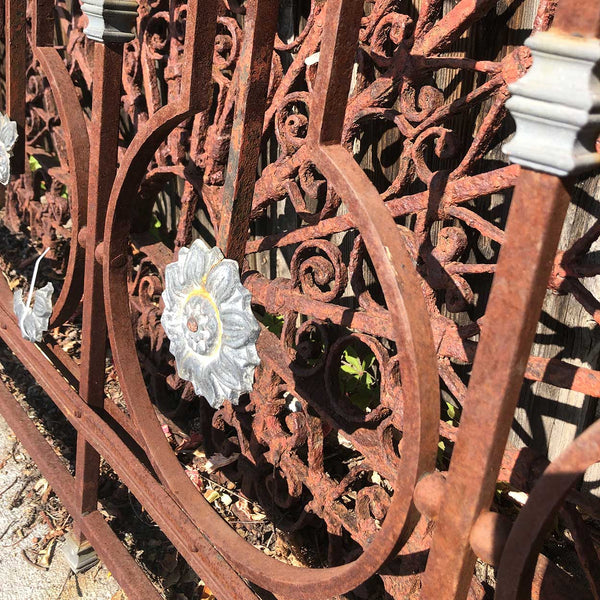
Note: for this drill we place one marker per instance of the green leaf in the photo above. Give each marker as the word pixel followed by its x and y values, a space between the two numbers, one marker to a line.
pixel 34 163
pixel 355 362
pixel 155 228
pixel 274 323
pixel 369 361
pixel 451 410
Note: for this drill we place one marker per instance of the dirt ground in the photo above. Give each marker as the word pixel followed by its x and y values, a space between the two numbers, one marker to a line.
pixel 26 547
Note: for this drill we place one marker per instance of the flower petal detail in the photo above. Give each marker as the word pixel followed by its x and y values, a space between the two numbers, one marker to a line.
pixel 8 132
pixel 238 329
pixel 195 263
pixel 8 138
pixel 222 280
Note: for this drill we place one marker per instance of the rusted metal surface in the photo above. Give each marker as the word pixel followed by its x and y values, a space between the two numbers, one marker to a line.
pixel 15 38
pixel 104 133
pixel 213 122
pixel 538 209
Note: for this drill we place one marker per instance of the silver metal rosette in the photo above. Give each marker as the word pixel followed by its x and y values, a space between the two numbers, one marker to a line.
pixel 8 138
pixel 33 318
pixel 210 325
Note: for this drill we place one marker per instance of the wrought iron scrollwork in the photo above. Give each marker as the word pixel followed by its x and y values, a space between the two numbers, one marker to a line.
pixel 349 171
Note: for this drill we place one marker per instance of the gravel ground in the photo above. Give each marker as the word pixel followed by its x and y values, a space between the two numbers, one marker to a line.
pixel 20 485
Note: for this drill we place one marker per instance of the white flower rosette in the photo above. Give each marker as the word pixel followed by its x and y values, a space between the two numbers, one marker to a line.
pixel 8 139
pixel 210 325
pixel 34 318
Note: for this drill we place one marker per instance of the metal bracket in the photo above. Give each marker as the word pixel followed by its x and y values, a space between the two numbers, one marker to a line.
pixel 80 557
pixel 556 106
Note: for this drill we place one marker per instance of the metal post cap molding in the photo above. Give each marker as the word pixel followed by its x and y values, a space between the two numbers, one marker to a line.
pixel 110 21
pixel 556 106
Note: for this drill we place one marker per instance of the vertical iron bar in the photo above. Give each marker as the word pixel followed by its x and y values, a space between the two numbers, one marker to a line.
pixel 108 61
pixel 533 231
pixel 328 108
pixel 195 93
pixel 15 35
pixel 253 72
pixel 577 18
pixel 43 23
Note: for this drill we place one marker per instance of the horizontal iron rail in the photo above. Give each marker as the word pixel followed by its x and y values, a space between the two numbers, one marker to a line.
pixel 110 550
pixel 193 545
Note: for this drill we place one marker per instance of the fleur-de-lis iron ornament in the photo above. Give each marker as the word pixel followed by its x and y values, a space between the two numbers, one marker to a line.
pixel 33 320
pixel 210 325
pixel 110 21
pixel 8 138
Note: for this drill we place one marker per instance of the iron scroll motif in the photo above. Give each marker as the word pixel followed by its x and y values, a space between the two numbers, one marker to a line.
pixel 210 325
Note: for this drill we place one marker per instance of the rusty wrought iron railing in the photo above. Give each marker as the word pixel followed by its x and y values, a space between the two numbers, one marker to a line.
pixel 197 119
